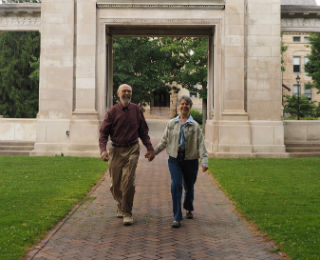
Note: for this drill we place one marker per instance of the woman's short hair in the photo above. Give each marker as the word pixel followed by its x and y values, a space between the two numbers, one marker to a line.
pixel 186 98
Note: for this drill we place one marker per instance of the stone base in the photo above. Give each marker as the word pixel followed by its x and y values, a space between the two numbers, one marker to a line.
pixel 234 139
pixel 63 137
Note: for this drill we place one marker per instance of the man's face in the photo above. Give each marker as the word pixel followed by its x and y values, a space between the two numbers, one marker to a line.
pixel 124 94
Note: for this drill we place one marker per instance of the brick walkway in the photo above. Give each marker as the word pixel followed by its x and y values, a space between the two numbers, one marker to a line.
pixel 93 231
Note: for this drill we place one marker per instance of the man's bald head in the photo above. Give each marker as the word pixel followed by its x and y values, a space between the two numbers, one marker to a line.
pixel 124 93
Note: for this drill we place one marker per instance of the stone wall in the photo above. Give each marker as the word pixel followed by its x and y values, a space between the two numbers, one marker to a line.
pixel 17 129
pixel 306 131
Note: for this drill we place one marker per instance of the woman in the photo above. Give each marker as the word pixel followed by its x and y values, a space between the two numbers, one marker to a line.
pixel 184 143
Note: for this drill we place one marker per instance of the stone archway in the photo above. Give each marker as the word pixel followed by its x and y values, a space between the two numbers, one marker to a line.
pixel 244 91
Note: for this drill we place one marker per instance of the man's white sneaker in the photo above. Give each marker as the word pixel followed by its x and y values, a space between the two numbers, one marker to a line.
pixel 119 214
pixel 127 220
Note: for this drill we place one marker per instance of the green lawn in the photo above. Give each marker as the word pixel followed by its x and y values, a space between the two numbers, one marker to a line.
pixel 36 192
pixel 282 196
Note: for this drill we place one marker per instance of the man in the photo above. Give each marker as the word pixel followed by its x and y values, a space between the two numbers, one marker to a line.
pixel 125 123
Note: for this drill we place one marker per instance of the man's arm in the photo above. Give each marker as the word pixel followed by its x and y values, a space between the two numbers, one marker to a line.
pixel 144 136
pixel 143 132
pixel 104 134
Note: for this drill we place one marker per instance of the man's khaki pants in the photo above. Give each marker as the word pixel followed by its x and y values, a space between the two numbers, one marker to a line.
pixel 122 167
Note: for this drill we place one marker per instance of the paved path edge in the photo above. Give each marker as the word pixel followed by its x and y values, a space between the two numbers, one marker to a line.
pixel 37 247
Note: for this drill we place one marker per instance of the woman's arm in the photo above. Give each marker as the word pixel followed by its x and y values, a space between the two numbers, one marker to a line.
pixel 202 149
pixel 164 140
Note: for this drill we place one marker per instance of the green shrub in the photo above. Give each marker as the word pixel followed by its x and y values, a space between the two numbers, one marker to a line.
pixel 197 116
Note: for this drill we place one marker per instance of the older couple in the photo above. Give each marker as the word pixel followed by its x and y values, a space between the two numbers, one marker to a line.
pixel 182 139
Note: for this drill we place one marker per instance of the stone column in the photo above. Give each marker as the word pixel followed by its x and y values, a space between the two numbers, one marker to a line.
pixel 56 76
pixel 67 75
pixel 264 77
pixel 233 99
pixel 56 60
pixel 85 70
pixel 228 133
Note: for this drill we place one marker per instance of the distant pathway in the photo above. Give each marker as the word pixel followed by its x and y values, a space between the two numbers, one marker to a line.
pixel 93 231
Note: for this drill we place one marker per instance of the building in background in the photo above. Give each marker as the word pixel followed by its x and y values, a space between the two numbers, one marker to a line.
pixel 295 59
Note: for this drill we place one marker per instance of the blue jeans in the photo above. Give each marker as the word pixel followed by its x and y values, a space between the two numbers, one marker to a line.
pixel 183 173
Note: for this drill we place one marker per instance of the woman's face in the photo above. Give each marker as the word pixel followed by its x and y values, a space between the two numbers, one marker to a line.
pixel 184 108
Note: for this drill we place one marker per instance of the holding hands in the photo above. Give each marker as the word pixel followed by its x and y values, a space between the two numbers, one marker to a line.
pixel 150 155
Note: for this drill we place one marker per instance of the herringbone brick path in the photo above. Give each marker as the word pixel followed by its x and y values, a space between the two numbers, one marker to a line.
pixel 93 231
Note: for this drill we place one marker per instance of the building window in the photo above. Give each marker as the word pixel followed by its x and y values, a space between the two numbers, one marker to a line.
pixel 306 39
pixel 296 64
pixel 296 39
pixel 295 89
pixel 308 92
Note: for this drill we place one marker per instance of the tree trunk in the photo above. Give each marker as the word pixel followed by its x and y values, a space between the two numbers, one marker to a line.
pixel 204 114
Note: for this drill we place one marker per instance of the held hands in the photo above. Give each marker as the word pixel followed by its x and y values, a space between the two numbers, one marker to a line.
pixel 104 156
pixel 150 155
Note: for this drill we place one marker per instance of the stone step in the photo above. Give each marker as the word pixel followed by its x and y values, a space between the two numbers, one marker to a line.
pixel 10 152
pixel 305 154
pixel 16 148
pixel 17 143
pixel 303 144
pixel 302 149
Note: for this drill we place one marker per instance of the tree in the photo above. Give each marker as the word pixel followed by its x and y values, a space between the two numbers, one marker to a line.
pixel 283 49
pixel 19 82
pixel 313 65
pixel 141 63
pixel 189 58
pixel 307 107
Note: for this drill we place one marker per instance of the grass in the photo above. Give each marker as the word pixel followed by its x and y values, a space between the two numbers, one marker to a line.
pixel 37 192
pixel 281 196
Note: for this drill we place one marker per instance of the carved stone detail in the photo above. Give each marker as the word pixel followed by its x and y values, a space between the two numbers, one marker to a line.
pixel 20 23
pixel 135 21
pixel 171 6
pixel 300 24
pixel 177 4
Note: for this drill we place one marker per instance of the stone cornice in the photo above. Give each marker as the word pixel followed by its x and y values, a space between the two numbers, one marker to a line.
pixel 300 11
pixel 19 9
pixel 177 4
pixel 300 24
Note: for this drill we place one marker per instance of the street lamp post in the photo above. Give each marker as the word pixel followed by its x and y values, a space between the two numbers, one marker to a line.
pixel 298 86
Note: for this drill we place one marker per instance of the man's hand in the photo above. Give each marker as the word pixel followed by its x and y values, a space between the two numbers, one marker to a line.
pixel 150 155
pixel 104 156
pixel 204 168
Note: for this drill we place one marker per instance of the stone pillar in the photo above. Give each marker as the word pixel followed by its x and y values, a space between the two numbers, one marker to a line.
pixel 67 75
pixel 85 70
pixel 264 90
pixel 228 132
pixel 247 108
pixel 233 100
pixel 56 79
pixel 56 60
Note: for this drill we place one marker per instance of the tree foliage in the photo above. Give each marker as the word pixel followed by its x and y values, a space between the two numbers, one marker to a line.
pixel 19 80
pixel 149 64
pixel 141 63
pixel 307 107
pixel 190 58
pixel 283 49
pixel 313 65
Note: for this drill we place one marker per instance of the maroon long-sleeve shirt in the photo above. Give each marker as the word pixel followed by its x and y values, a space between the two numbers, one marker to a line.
pixel 124 125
